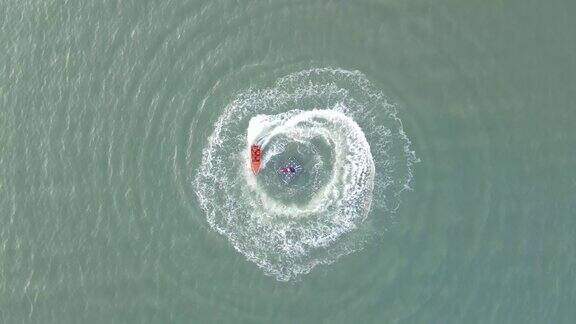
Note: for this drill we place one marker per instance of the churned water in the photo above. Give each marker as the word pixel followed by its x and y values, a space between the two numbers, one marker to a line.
pixel 435 143
pixel 352 145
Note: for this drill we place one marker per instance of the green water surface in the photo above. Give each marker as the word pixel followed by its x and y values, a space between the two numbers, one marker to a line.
pixel 101 133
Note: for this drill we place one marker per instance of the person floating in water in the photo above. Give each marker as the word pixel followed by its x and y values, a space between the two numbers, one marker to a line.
pixel 287 169
pixel 290 170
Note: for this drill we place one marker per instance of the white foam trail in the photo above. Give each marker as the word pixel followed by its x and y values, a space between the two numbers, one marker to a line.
pixel 284 236
pixel 353 159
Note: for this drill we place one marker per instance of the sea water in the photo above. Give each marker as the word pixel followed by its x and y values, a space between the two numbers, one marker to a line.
pixel 436 137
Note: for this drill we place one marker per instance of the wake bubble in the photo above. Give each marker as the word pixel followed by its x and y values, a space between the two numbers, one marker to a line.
pixel 351 146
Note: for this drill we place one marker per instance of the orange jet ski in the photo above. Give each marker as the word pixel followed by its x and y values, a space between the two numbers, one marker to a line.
pixel 255 158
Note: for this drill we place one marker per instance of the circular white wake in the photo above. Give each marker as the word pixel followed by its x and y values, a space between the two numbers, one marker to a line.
pixel 351 146
pixel 348 190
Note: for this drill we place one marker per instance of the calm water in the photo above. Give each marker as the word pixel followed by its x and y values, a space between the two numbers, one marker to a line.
pixel 123 192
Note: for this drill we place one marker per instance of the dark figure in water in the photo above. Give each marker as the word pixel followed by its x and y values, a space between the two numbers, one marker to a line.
pixel 287 169
pixel 290 170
